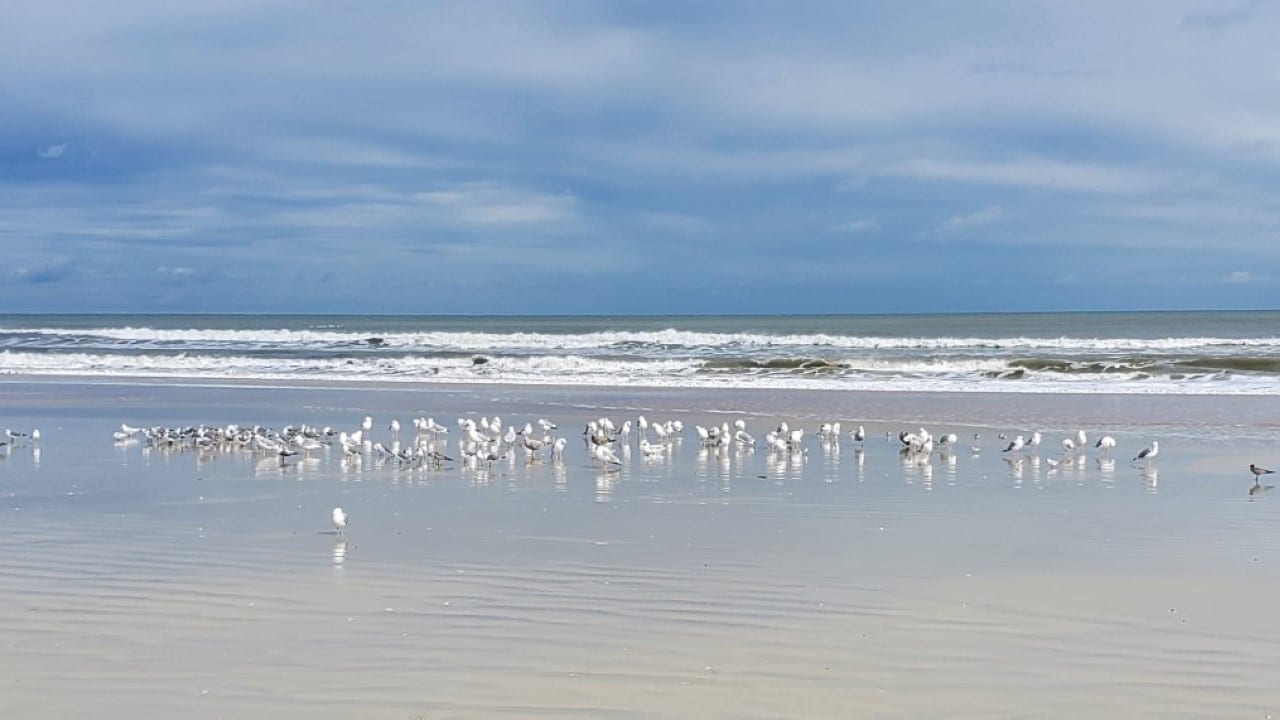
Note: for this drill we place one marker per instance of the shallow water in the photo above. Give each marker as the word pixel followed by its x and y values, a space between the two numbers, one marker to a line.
pixel 837 585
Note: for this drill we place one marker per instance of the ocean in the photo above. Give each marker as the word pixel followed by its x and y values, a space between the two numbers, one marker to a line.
pixel 1211 353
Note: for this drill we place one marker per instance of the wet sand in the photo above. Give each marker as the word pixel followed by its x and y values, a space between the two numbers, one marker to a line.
pixel 844 584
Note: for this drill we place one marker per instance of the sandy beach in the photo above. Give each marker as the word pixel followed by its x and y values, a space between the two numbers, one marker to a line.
pixel 841 583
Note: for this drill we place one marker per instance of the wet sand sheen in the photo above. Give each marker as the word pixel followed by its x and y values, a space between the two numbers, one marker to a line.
pixel 830 589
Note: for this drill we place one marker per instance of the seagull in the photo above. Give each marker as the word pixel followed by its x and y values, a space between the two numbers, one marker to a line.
pixel 605 455
pixel 1258 472
pixel 1149 452
pixel 1015 445
pixel 1105 443
pixel 340 520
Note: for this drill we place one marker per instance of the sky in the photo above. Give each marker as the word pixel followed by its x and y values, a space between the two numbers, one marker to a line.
pixel 638 157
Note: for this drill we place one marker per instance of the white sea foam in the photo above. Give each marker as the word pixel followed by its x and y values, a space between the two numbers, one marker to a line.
pixel 669 338
pixel 963 375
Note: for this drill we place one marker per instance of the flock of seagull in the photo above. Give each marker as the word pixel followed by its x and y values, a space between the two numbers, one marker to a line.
pixel 487 440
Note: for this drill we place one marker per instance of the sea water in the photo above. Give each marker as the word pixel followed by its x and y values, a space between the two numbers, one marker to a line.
pixel 1148 352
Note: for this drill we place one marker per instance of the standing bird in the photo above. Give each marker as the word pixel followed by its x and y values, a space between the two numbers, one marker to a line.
pixel 1105 443
pixel 340 521
pixel 1258 472
pixel 1015 445
pixel 1149 452
pixel 859 435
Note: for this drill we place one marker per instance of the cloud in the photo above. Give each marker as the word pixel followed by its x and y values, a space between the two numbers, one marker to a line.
pixel 986 216
pixel 1239 277
pixel 52 152
pixel 46 274
pixel 1223 17
pixel 494 204
pixel 330 151
pixel 498 143
pixel 1031 172
pixel 855 227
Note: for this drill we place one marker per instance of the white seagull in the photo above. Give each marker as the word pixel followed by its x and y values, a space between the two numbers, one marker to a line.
pixel 340 520
pixel 605 455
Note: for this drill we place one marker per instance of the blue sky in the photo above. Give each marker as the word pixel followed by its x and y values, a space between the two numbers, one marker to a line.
pixel 638 157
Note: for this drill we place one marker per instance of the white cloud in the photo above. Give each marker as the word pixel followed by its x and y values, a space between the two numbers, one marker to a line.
pixel 53 151
pixel 1031 172
pixel 494 204
pixel 855 227
pixel 1239 277
pixel 986 216
pixel 327 151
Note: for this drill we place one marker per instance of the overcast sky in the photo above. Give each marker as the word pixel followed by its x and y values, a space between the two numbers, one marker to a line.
pixel 638 157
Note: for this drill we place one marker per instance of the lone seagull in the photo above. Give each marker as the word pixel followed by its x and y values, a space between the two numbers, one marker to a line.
pixel 340 521
pixel 1149 452
pixel 1258 487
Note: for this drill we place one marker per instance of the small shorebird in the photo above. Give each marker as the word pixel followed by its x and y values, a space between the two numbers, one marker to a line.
pixel 340 521
pixel 1258 472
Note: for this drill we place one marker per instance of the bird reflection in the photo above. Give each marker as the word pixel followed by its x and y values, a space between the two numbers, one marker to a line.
pixel 950 460
pixel 339 551
pixel 1107 466
pixel 561 477
pixel 605 481
pixel 1016 467
pixel 1258 488
pixel 1151 476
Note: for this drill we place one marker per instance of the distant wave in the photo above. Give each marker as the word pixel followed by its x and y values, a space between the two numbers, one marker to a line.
pixel 1134 353
pixel 1198 376
pixel 142 337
